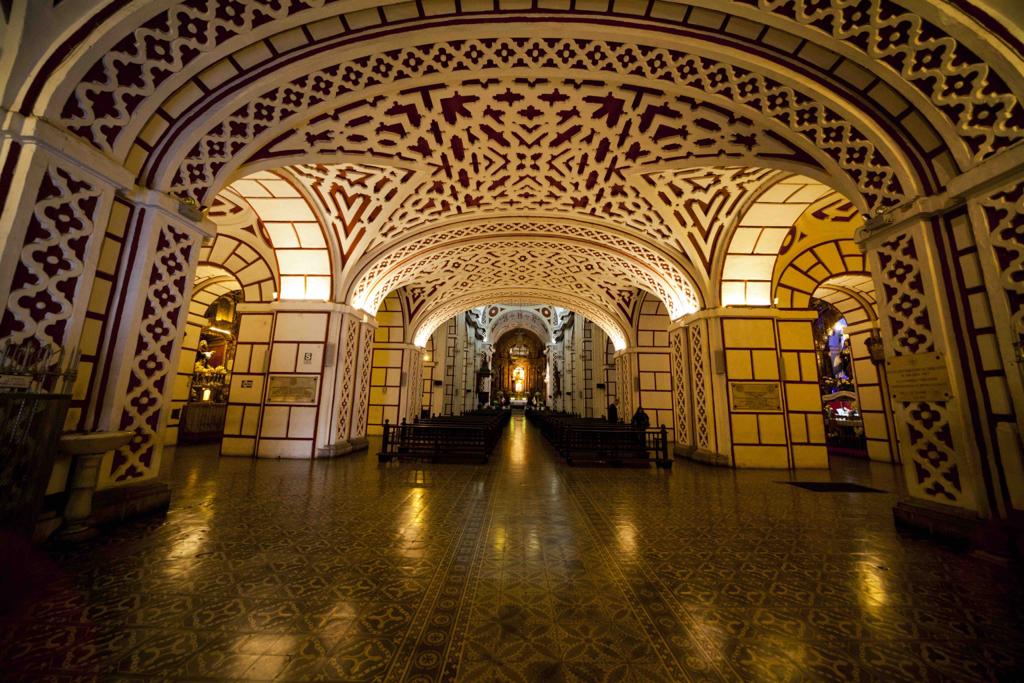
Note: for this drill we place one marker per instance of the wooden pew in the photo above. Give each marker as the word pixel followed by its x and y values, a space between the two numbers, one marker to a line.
pixel 593 440
pixel 463 438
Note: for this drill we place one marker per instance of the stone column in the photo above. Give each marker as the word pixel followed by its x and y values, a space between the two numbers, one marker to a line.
pixel 144 338
pixel 753 394
pixel 946 274
pixel 680 364
pixel 412 383
pixel 626 383
pixel 364 366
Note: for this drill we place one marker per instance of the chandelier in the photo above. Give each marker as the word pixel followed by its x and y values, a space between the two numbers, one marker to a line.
pixel 519 349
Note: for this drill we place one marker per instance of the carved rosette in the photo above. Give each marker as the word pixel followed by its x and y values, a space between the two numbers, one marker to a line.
pixel 929 436
pixel 41 300
pixel 158 334
pixel 680 385
pixel 347 370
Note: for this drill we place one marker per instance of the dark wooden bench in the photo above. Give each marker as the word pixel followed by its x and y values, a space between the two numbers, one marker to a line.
pixel 444 439
pixel 580 440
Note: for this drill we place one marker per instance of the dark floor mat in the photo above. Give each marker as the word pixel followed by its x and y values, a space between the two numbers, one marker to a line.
pixel 832 487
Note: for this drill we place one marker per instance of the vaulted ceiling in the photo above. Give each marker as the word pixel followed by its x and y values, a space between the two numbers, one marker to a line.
pixel 546 152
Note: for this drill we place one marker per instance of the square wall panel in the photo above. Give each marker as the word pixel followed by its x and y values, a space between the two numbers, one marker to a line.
pixel 304 262
pixel 748 333
pixel 302 423
pixel 275 421
pixel 796 336
pixel 310 235
pixel 318 288
pixel 293 287
pixel 300 327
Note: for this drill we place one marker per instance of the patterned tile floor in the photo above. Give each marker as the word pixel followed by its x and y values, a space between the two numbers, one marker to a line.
pixel 523 570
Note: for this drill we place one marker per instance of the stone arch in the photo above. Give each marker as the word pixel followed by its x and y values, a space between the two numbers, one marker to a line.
pixel 846 42
pixel 813 266
pixel 248 260
pixel 393 392
pixel 512 318
pixel 853 294
pixel 211 283
pixel 650 363
pixel 263 130
pixel 294 229
pixel 589 261
pixel 614 326
pixel 746 265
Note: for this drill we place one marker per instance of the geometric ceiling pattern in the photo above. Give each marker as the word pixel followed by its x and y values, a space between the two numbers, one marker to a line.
pixel 538 153
pixel 519 271
pixel 581 133
pixel 936 67
pixel 499 319
pixel 596 250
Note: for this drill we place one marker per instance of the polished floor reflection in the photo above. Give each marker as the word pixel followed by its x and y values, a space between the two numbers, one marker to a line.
pixel 522 570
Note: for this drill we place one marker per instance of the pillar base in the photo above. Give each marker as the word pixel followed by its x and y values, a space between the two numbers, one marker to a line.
pixel 702 456
pixel 960 529
pixel 82 530
pixel 336 450
pixel 134 500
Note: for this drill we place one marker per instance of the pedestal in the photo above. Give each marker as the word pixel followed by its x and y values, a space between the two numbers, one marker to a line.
pixel 87 451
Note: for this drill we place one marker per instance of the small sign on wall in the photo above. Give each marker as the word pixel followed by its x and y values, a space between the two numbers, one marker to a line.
pixel 292 389
pixel 247 384
pixel 755 397
pixel 918 377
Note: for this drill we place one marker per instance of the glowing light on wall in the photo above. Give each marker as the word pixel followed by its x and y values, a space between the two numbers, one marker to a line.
pixel 295 234
pixel 424 333
pixel 754 247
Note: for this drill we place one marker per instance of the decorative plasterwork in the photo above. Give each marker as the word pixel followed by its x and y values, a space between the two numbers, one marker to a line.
pixel 691 109
pixel 614 325
pixel 151 361
pixel 623 263
pixel 355 200
pixel 145 62
pixel 702 203
pixel 590 272
pixel 510 318
pixel 41 302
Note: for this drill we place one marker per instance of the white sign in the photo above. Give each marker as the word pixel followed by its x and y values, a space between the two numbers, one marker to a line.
pixel 292 389
pixel 756 397
pixel 918 377
pixel 15 381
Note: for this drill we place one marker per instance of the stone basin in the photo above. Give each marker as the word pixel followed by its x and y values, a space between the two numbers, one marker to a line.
pixel 85 443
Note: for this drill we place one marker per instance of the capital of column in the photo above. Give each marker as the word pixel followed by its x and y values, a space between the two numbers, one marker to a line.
pixel 759 312
pixel 31 130
pixel 988 175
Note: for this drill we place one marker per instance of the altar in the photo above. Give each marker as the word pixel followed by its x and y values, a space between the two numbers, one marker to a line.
pixel 519 368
